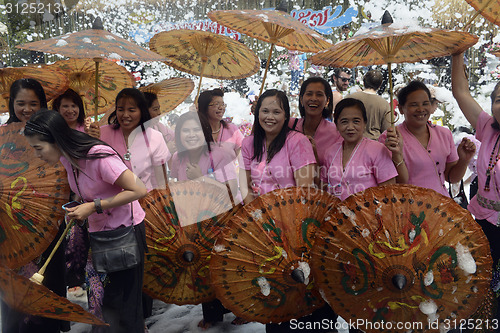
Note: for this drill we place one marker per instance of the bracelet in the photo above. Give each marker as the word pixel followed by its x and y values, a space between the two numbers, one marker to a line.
pixel 402 160
pixel 98 207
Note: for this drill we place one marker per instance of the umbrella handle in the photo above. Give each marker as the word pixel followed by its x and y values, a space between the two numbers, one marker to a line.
pixel 38 277
pixel 391 94
pixel 267 66
pixel 96 97
pixel 202 69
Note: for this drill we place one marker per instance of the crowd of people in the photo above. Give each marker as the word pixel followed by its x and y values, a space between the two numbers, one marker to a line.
pixel 341 144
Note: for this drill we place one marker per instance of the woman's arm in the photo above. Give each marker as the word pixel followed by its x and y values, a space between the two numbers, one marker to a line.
pixel 460 88
pixel 388 182
pixel 394 142
pixel 133 189
pixel 455 171
pixel 305 175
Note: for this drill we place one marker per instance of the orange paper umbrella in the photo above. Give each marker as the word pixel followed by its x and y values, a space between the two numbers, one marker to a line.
pixel 260 263
pixel 181 227
pixel 35 299
pixel 82 77
pixel 393 43
pixel 402 254
pixel 96 44
pixel 205 54
pixel 53 81
pixel 489 9
pixel 31 195
pixel 273 26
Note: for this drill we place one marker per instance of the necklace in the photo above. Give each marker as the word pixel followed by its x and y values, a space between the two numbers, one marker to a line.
pixel 215 132
pixel 126 156
pixel 491 164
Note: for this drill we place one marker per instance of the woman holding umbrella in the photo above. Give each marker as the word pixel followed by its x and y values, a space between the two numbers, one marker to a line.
pixel 485 205
pixel 27 97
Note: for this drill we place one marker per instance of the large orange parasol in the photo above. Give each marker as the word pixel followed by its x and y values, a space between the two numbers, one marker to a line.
pixel 260 263
pixel 273 26
pixel 181 227
pixel 35 299
pixel 394 43
pixel 82 77
pixel 53 81
pixel 401 254
pixel 205 54
pixel 489 9
pixel 96 44
pixel 31 195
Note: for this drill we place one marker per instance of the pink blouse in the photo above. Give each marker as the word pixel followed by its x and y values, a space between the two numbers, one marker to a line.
pixel 426 165
pixel 167 132
pixel 369 165
pixel 279 172
pixel 325 136
pixel 231 136
pixel 145 151
pixel 488 136
pixel 97 181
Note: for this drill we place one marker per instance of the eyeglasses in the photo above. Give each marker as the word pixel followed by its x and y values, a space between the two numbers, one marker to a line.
pixel 218 105
pixel 344 79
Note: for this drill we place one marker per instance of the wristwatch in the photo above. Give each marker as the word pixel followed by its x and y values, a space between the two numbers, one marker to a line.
pixel 98 207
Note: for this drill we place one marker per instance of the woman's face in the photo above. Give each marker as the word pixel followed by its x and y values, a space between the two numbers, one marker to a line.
pixel 417 109
pixel 128 114
pixel 69 110
pixel 154 109
pixel 192 135
pixel 351 125
pixel 271 115
pixel 216 109
pixel 26 103
pixel 47 152
pixel 314 99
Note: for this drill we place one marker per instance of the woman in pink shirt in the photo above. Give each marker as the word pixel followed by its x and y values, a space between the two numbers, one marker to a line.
pixel 425 154
pixel 485 205
pixel 211 105
pixel 154 108
pixel 97 174
pixel 274 156
pixel 70 106
pixel 355 163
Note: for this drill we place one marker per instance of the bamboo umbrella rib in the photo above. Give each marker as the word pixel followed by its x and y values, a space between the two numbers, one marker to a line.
pixel 276 31
pixel 477 13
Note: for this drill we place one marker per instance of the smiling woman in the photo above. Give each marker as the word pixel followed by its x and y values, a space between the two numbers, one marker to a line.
pixel 70 106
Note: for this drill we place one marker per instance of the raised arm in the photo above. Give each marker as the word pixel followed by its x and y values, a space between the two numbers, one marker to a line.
pixel 460 88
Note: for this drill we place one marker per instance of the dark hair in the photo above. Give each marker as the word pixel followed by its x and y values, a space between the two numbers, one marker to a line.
pixel 205 98
pixel 150 98
pixel 49 126
pixel 16 87
pixel 205 126
pixel 338 70
pixel 413 86
pixel 373 79
pixel 138 97
pixel 73 96
pixel 327 111
pixel 349 102
pixel 493 95
pixel 258 132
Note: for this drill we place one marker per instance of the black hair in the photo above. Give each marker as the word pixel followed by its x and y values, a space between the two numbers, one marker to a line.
pixel 493 95
pixel 205 98
pixel 138 97
pixel 150 98
pixel 337 71
pixel 73 96
pixel 49 126
pixel 205 126
pixel 411 87
pixel 328 110
pixel 258 132
pixel 373 79
pixel 349 102
pixel 16 87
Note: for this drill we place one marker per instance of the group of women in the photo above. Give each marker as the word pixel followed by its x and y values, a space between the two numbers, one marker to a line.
pixel 111 167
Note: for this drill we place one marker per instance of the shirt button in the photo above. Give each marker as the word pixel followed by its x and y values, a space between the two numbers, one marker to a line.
pixel 437 163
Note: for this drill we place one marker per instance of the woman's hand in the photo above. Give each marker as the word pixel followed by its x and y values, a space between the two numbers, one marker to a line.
pixel 466 149
pixel 81 212
pixel 94 130
pixel 193 171
pixel 394 141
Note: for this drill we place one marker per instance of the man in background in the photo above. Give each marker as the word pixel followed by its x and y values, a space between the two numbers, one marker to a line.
pixel 340 82
pixel 377 109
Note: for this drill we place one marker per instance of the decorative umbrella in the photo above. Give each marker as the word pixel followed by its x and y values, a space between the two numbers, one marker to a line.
pixel 31 195
pixel 35 299
pixel 401 254
pixel 82 78
pixel 205 54
pixel 274 26
pixel 53 81
pixel 95 44
pixel 181 225
pixel 393 43
pixel 489 9
pixel 260 263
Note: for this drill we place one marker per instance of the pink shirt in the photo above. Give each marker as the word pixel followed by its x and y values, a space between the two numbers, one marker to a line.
pixel 231 136
pixel 279 172
pixel 325 136
pixel 369 165
pixel 97 181
pixel 167 132
pixel 146 151
pixel 488 136
pixel 223 164
pixel 80 127
pixel 426 166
